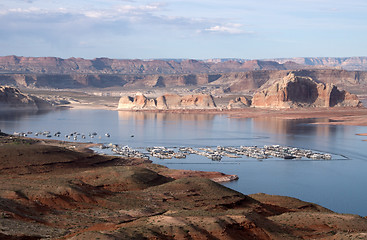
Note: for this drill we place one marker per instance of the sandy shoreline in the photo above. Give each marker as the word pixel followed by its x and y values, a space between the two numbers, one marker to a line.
pixel 329 116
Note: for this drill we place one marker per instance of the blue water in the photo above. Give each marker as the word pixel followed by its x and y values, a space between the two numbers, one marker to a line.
pixel 336 184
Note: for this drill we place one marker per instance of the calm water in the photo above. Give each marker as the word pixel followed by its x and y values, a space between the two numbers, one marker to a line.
pixel 336 184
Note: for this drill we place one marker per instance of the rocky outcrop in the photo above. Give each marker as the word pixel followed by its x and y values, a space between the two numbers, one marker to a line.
pixel 126 102
pixel 299 91
pixel 167 101
pixel 352 81
pixel 12 99
pixel 240 102
pixel 138 102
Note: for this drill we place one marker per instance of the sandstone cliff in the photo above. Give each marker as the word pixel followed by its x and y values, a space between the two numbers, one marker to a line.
pixel 167 101
pixel 299 91
pixel 53 65
pixel 347 63
pixel 12 99
pixel 352 81
pixel 240 82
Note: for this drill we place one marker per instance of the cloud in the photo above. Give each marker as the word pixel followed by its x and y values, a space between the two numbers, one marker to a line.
pixel 229 28
pixel 124 11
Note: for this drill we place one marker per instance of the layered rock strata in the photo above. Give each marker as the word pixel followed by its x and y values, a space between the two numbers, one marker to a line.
pixel 167 101
pixel 300 91
pixel 12 99
pixel 218 83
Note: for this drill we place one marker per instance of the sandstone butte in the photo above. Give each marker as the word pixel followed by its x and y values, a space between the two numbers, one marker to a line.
pixel 13 99
pixel 167 101
pixel 291 92
pixel 300 91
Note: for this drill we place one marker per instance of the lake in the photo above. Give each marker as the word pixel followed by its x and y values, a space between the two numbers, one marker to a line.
pixel 336 184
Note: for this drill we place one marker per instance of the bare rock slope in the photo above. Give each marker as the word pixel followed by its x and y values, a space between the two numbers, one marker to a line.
pixel 298 91
pixel 12 99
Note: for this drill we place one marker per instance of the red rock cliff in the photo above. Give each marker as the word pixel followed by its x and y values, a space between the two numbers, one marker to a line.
pixel 299 91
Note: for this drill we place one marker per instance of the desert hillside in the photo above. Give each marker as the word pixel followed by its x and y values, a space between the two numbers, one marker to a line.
pixel 57 190
pixel 13 99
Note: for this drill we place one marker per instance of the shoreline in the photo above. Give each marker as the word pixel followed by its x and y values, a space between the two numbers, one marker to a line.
pixel 44 182
pixel 336 116
pixel 85 147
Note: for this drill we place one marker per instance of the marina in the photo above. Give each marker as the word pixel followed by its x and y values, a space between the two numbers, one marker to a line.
pixel 213 153
pixel 216 154
pixel 326 182
pixel 70 137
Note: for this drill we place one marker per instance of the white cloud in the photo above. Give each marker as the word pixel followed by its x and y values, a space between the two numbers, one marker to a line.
pixel 230 28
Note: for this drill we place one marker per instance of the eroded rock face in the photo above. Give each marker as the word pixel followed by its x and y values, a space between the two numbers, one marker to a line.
pixel 299 91
pixel 12 99
pixel 240 102
pixel 138 102
pixel 167 101
pixel 126 102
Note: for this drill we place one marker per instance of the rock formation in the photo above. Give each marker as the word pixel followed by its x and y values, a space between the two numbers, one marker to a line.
pixel 53 65
pixel 237 82
pixel 240 102
pixel 298 91
pixel 12 99
pixel 167 101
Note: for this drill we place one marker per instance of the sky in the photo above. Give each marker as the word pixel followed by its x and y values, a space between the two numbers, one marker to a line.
pixel 195 29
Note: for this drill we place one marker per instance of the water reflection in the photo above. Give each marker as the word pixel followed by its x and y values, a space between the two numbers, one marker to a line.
pixel 18 115
pixel 284 126
pixel 149 116
pixel 164 128
pixel 14 118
